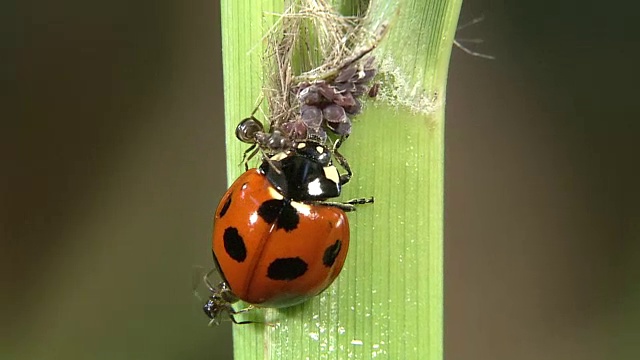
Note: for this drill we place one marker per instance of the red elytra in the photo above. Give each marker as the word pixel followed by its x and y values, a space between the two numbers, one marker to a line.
pixel 276 240
pixel 275 252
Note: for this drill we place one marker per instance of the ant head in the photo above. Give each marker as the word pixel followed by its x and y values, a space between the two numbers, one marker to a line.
pixel 213 308
pixel 247 130
pixel 219 302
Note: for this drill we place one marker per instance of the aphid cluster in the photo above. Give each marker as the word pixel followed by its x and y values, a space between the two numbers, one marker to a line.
pixel 321 106
pixel 328 105
pixel 278 239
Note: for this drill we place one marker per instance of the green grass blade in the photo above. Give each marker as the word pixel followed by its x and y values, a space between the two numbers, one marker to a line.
pixel 388 301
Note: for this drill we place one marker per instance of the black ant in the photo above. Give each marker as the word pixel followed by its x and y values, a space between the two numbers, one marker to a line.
pixel 221 301
pixel 251 131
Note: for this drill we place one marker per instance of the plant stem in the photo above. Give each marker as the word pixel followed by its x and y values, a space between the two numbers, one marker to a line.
pixel 388 300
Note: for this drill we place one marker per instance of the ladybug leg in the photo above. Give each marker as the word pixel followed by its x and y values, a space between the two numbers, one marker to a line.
pixel 347 205
pixel 344 178
pixel 360 201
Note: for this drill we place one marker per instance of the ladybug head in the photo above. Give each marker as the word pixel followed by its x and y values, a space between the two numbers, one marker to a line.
pixel 304 173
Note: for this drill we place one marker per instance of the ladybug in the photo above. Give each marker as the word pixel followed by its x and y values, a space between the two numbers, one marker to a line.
pixel 277 241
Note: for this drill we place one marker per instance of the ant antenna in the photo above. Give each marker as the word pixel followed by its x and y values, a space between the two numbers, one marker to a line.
pixel 474 21
pixel 471 52
pixel 458 42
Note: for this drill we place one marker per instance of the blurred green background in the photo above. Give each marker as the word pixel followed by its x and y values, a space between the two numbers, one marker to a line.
pixel 114 162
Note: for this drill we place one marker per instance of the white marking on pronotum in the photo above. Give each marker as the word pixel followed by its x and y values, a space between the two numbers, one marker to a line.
pixel 319 149
pixel 279 156
pixel 332 174
pixel 314 187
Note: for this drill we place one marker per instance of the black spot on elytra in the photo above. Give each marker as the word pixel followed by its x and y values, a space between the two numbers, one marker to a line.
pixel 287 268
pixel 234 244
pixel 225 207
pixel 289 218
pixel 279 212
pixel 270 209
pixel 331 253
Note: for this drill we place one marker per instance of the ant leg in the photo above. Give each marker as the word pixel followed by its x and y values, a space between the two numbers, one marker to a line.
pixel 232 312
pixel 252 151
pixel 270 162
pixel 206 279
pixel 241 322
pixel 259 102
pixel 458 43
pixel 347 205
pixel 471 23
pixel 344 178
pixel 360 201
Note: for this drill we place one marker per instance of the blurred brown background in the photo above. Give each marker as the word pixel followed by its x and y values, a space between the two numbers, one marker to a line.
pixel 114 164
